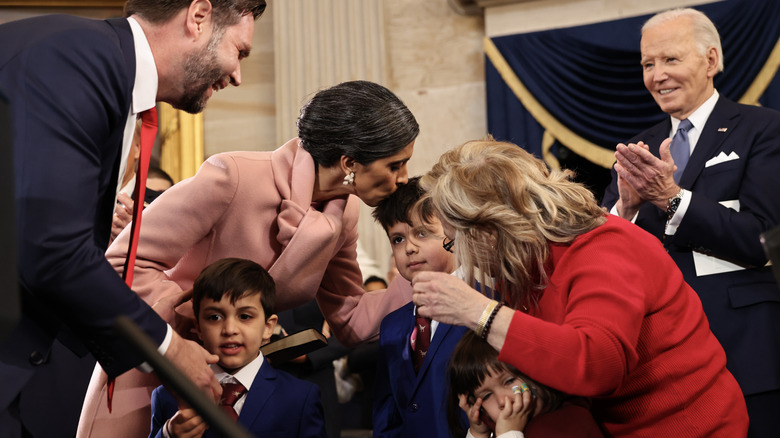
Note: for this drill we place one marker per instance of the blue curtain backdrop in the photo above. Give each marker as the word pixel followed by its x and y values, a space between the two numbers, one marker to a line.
pixel 570 95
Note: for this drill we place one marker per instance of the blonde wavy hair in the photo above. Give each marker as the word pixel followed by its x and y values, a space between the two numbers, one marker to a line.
pixel 506 208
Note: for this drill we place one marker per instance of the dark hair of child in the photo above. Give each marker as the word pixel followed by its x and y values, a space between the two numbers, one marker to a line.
pixel 236 278
pixel 472 361
pixel 400 206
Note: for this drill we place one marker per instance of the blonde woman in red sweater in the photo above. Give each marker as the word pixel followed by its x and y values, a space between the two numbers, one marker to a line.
pixel 582 301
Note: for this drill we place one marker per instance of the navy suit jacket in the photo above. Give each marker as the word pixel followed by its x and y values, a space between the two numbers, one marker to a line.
pixel 409 404
pixel 69 81
pixel 743 306
pixel 277 405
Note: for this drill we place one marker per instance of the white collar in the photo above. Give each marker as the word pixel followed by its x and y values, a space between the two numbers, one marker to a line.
pixel 145 87
pixel 699 117
pixel 245 375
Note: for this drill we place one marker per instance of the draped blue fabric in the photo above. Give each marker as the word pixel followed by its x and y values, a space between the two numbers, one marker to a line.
pixel 590 80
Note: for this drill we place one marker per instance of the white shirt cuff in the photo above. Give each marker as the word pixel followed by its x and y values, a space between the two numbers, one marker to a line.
pixel 162 349
pixel 165 432
pixel 615 212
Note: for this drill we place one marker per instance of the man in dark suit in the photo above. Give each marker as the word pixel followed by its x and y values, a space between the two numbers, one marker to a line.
pixel 76 87
pixel 710 217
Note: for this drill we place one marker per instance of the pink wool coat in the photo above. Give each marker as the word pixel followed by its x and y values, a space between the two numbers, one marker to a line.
pixel 254 205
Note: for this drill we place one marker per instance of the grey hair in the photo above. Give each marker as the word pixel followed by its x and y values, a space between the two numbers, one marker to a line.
pixel 704 31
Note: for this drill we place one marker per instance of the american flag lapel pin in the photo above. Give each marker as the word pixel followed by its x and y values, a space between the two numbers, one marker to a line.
pixel 723 129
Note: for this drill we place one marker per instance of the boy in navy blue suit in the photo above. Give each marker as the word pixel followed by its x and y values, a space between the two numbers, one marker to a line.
pixel 411 381
pixel 233 300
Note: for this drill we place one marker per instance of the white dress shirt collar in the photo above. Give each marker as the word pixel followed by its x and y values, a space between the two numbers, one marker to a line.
pixel 145 88
pixel 245 375
pixel 698 119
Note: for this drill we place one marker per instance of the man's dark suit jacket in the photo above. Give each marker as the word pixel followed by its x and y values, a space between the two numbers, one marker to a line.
pixel 743 306
pixel 69 81
pixel 409 404
pixel 277 405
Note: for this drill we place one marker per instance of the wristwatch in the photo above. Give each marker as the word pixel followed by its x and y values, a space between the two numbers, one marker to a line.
pixel 673 204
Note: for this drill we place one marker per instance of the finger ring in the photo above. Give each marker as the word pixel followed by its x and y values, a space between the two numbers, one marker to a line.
pixel 524 387
pixel 516 390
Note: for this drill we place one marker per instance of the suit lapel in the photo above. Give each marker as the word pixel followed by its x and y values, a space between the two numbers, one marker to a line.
pixel 406 368
pixel 127 44
pixel 258 395
pixel 656 135
pixel 719 126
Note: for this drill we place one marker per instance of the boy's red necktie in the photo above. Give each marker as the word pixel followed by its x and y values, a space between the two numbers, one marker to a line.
pixel 231 392
pixel 421 340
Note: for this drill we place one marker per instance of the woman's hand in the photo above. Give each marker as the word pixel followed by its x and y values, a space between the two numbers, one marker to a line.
pixel 516 413
pixel 477 427
pixel 447 299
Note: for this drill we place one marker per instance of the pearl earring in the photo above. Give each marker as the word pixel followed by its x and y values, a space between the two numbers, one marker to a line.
pixel 349 179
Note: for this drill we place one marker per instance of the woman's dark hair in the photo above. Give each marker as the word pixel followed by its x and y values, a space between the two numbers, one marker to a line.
pixel 235 278
pixel 359 119
pixel 473 359
pixel 225 12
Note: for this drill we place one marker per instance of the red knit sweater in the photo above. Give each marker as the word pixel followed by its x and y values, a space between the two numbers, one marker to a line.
pixel 617 323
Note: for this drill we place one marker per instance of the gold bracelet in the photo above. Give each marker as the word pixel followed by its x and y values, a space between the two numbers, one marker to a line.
pixel 485 315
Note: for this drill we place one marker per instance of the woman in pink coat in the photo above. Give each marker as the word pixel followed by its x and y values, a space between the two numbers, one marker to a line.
pixel 294 211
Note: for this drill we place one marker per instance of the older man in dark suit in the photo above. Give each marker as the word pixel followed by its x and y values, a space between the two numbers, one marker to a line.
pixel 704 181
pixel 76 87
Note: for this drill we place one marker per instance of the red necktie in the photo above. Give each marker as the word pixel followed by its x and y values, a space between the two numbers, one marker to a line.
pixel 231 392
pixel 148 134
pixel 421 340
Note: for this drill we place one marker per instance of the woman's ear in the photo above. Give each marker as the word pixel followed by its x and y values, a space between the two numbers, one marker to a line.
pixel 347 164
pixel 491 235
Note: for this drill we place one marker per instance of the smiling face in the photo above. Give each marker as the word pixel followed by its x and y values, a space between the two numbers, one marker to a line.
pixel 378 180
pixel 213 67
pixel 677 74
pixel 496 388
pixel 234 331
pixel 419 249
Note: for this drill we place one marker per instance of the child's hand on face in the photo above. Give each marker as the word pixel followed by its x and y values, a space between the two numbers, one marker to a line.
pixel 478 428
pixel 186 423
pixel 517 410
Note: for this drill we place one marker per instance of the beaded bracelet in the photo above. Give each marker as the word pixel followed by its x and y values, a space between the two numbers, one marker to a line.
pixel 490 320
